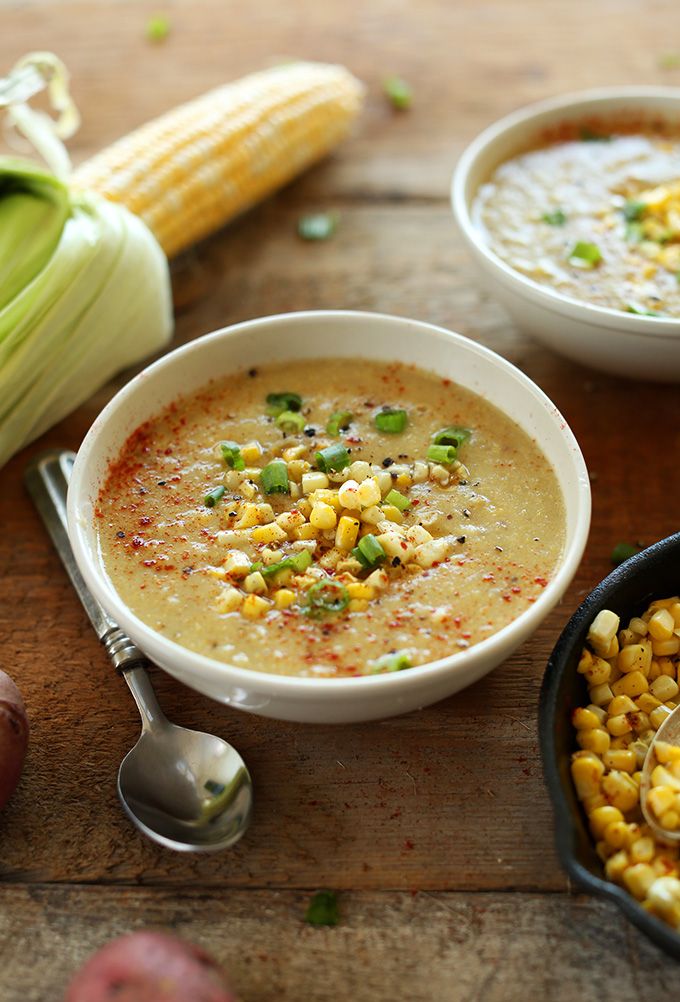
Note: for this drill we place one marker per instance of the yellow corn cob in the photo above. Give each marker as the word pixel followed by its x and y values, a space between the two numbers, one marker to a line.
pixel 193 169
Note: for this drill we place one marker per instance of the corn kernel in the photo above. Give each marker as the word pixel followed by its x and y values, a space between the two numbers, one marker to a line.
pixel 620 758
pixel 360 590
pixel 348 495
pixel 621 704
pixel 236 564
pixel 360 470
pixel 657 716
pixel 584 719
pixel 371 516
pixel 601 695
pixel 616 865
pixel 666 648
pixel 587 774
pixel 596 672
pixel 254 606
pixel 378 580
pixel 384 482
pixel 346 535
pixel 271 533
pixel 357 605
pixel 638 879
pixel 660 799
pixel 297 468
pixel 638 625
pixel 369 493
pixel 229 600
pixel 635 657
pixel 647 702
pixel 620 789
pixel 306 531
pixel 283 598
pixel 601 817
pixel 632 684
pixel 290 520
pixel 314 481
pixel 661 625
pixel 251 452
pixel 432 552
pixel 216 572
pixel 323 516
pixel 255 584
pixel 602 631
pixel 617 835
pixel 594 739
pixel 392 514
pixel 618 725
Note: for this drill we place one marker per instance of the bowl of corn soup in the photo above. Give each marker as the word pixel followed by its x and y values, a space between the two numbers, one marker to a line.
pixel 571 211
pixel 329 516
pixel 611 681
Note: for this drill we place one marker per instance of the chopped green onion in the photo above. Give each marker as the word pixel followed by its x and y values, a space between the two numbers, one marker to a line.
pixel 326 596
pixel 340 421
pixel 290 422
pixel 634 232
pixel 622 551
pixel 398 93
pixel 369 552
pixel 391 420
pixel 231 454
pixel 318 225
pixel 333 457
pixel 556 218
pixel 398 500
pixel 298 563
pixel 214 788
pixel 158 28
pixel 633 211
pixel 641 313
pixel 213 496
pixel 274 477
pixel 669 61
pixel 442 454
pixel 584 255
pixel 323 909
pixel 451 436
pixel 277 403
pixel 587 135
pixel 396 661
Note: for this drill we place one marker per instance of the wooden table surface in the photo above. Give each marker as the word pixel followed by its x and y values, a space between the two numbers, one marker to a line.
pixel 434 828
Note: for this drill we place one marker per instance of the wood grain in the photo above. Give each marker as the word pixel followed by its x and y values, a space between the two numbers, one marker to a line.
pixel 420 947
pixel 434 826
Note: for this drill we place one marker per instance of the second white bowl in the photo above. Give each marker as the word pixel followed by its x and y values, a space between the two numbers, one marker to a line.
pixel 639 347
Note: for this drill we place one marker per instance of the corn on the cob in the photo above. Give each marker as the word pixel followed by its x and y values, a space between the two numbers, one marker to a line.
pixel 193 169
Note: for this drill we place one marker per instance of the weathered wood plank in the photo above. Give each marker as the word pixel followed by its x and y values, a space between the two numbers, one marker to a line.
pixel 423 947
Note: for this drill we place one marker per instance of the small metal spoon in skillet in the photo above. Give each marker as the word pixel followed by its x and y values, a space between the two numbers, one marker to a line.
pixel 669 731
pixel 184 789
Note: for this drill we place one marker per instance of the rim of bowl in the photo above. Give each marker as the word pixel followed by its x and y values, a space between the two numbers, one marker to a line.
pixel 566 835
pixel 98 581
pixel 558 302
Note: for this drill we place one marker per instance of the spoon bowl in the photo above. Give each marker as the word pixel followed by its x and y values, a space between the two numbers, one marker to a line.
pixel 668 731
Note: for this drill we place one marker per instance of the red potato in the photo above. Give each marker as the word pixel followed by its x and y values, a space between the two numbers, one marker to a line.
pixel 13 737
pixel 149 967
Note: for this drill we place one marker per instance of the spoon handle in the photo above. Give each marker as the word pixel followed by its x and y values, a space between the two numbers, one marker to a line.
pixel 46 480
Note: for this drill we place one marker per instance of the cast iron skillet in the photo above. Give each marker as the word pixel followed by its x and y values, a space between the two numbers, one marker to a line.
pixel 652 573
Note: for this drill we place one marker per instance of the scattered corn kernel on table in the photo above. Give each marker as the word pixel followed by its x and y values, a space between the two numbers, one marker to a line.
pixel 434 828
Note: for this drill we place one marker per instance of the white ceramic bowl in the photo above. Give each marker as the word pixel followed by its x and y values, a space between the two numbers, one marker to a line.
pixel 323 335
pixel 625 344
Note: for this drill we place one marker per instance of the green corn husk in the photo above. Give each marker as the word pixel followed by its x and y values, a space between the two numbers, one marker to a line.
pixel 84 293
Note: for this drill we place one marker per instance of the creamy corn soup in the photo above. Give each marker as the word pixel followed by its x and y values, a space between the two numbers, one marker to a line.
pixel 594 213
pixel 330 518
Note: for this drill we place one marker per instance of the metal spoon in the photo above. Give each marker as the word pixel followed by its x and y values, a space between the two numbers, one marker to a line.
pixel 668 731
pixel 184 789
